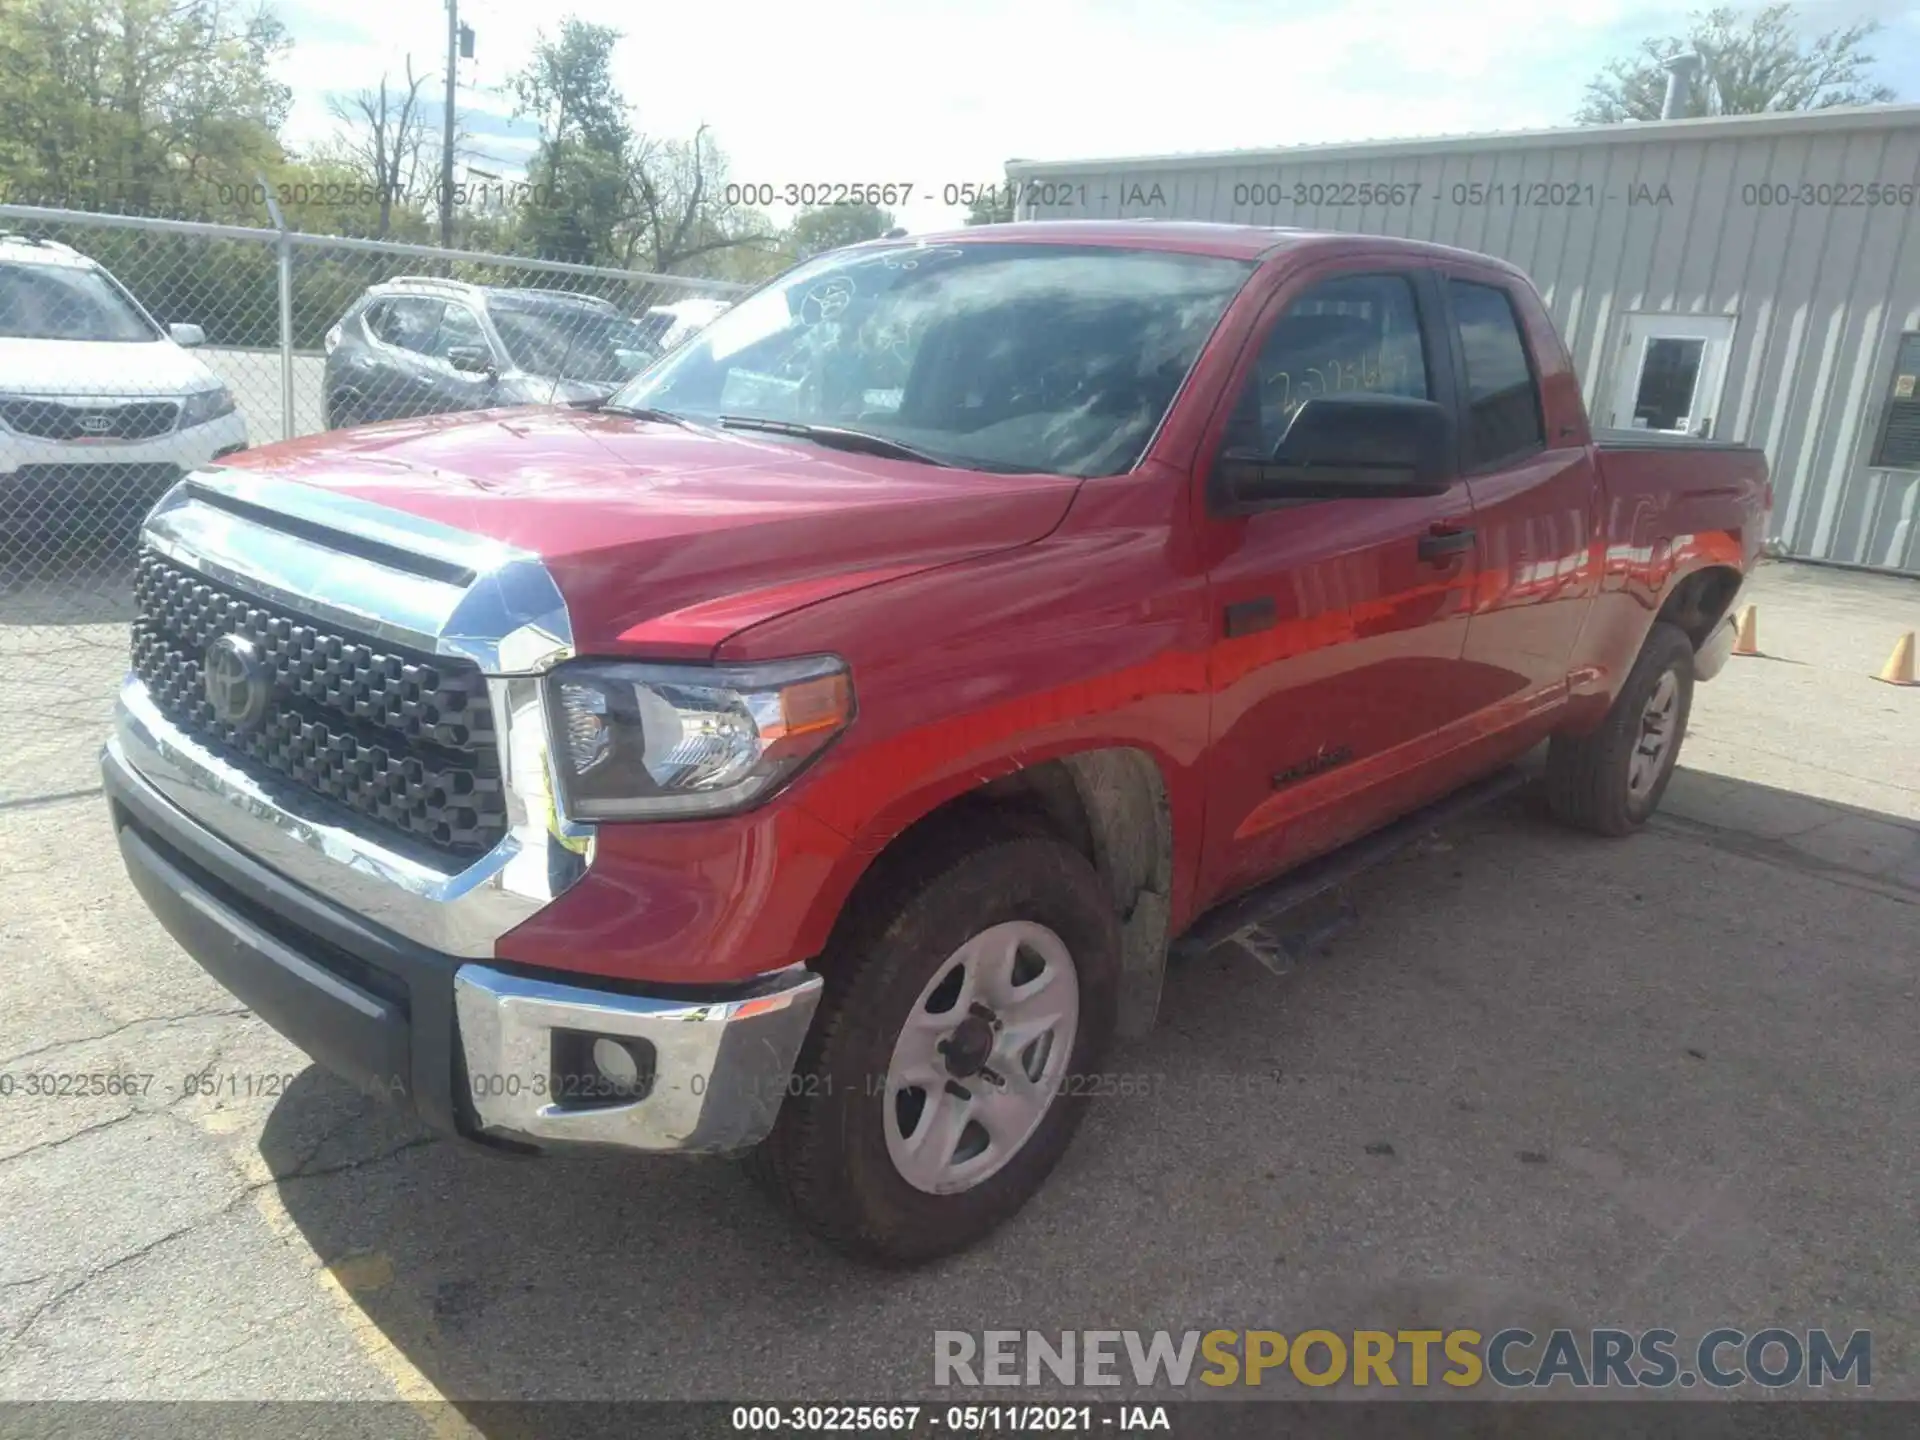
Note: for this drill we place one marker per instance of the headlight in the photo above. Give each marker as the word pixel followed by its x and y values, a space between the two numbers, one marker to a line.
pixel 641 742
pixel 204 405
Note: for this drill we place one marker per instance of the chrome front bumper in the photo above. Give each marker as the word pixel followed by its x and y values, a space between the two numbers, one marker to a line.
pixel 720 1069
pixel 475 1050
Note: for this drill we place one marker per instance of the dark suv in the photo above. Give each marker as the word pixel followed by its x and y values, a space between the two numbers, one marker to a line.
pixel 424 346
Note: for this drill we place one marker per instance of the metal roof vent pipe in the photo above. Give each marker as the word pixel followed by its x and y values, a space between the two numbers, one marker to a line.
pixel 1681 70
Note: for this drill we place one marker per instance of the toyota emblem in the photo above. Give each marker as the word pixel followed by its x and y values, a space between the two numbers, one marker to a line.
pixel 236 682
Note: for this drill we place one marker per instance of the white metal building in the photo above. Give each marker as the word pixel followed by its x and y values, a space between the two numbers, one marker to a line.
pixel 1752 278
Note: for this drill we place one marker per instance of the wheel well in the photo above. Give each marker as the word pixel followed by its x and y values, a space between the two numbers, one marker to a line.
pixel 1111 806
pixel 1700 601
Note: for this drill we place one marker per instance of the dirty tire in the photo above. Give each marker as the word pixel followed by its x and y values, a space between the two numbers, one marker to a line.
pixel 1588 775
pixel 827 1156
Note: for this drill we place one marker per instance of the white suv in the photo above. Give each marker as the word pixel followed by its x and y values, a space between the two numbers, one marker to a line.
pixel 97 402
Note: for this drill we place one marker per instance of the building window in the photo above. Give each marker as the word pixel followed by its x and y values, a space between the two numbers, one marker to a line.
pixel 1899 446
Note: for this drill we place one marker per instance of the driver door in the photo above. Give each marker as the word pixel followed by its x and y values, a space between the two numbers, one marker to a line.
pixel 1339 625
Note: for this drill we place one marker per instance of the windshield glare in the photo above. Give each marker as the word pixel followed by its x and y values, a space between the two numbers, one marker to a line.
pixel 63 302
pixel 992 355
pixel 581 344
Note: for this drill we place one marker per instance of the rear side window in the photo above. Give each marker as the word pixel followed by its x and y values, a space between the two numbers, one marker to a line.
pixel 1503 402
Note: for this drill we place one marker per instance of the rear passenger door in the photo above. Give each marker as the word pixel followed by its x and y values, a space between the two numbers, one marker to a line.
pixel 1535 499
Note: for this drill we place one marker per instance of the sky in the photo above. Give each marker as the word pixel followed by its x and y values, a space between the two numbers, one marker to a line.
pixel 941 92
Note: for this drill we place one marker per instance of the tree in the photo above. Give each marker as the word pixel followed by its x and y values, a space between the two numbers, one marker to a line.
pixel 599 191
pixel 677 208
pixel 139 106
pixel 1751 64
pixel 827 227
pixel 992 206
pixel 384 140
pixel 578 176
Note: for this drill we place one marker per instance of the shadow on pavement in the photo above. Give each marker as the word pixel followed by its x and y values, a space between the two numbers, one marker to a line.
pixel 1545 1080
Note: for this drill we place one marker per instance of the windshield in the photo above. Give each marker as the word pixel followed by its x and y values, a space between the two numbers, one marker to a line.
pixel 66 302
pixel 990 355
pixel 573 343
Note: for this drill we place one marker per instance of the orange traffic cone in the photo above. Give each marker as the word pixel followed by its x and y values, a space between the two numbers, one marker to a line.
pixel 1747 641
pixel 1899 667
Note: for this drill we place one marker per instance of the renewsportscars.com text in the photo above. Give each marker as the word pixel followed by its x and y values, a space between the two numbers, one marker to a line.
pixel 1512 1358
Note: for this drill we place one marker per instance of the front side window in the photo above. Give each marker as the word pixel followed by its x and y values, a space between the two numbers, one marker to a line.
pixel 1503 403
pixel 1000 356
pixel 1359 334
pixel 67 302
pixel 458 328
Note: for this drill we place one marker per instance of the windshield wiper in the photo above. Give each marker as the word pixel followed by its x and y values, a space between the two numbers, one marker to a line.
pixel 838 437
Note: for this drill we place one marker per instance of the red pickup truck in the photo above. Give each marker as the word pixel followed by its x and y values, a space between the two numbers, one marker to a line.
pixel 816 750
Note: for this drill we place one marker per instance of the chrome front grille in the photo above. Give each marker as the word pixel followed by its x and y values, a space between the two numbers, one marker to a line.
pixel 403 738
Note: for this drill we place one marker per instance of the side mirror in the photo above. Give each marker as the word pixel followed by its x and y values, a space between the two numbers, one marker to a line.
pixel 471 359
pixel 186 335
pixel 1351 447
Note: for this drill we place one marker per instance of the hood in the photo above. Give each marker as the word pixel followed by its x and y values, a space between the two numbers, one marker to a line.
pixel 135 369
pixel 665 540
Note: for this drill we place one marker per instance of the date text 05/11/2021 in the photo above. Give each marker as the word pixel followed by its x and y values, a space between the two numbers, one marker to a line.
pixel 1042 195
pixel 1151 195
pixel 956 1419
pixel 557 1085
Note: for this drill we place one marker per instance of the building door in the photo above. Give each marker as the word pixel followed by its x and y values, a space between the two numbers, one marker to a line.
pixel 1668 374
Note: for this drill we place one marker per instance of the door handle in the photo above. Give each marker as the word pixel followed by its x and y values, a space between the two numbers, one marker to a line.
pixel 1445 540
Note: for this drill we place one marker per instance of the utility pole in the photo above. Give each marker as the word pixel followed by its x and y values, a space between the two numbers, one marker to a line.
pixel 446 144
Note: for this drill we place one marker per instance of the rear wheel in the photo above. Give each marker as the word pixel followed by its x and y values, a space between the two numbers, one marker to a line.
pixel 938 1087
pixel 1611 780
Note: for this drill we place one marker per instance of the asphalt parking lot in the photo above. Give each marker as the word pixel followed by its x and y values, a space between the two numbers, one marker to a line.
pixel 1544 1080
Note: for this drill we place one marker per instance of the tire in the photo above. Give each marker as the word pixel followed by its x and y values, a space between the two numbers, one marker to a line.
pixel 1593 780
pixel 831 1155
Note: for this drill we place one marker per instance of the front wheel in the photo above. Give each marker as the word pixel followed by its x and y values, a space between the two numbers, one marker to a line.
pixel 1611 780
pixel 966 1002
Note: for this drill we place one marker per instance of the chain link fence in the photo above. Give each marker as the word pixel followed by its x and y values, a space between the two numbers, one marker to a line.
pixel 133 350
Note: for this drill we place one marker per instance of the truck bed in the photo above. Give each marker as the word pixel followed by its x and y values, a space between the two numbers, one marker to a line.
pixel 1660 440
